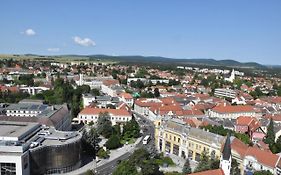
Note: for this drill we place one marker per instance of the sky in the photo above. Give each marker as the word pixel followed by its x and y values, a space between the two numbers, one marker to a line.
pixel 243 30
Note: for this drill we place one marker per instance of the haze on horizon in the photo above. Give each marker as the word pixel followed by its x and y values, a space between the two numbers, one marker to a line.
pixel 241 30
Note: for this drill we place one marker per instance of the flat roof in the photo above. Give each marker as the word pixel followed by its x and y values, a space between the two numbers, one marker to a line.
pixel 16 129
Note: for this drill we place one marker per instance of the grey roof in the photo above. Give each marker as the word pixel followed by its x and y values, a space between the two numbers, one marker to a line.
pixel 206 136
pixel 28 107
pixel 226 153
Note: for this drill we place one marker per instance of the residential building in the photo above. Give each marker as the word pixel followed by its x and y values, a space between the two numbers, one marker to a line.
pixel 225 93
pixel 127 98
pixel 90 114
pixel 231 112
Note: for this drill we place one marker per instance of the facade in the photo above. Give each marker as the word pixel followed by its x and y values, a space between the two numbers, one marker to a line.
pixel 127 98
pixel 22 142
pixel 231 112
pixel 225 93
pixel 175 137
pixel 89 114
pixel 34 90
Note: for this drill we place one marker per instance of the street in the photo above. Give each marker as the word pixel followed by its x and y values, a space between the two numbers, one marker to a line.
pixel 148 129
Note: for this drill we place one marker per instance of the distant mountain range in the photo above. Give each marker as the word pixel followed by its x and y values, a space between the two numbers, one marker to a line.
pixel 134 59
pixel 198 61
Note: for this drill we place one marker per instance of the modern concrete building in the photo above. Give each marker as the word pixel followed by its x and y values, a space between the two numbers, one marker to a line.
pixel 28 148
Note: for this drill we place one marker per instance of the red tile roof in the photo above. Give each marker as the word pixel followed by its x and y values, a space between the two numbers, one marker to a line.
pixel 251 122
pixel 96 111
pixel 126 95
pixel 233 109
pixel 210 172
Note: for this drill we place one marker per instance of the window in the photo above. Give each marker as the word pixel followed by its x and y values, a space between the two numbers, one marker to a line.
pixel 174 138
pixel 179 140
pixel 8 168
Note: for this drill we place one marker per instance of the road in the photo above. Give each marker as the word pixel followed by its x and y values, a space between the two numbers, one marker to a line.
pixel 148 129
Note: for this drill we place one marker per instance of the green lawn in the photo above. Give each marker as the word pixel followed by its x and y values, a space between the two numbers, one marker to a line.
pixel 129 140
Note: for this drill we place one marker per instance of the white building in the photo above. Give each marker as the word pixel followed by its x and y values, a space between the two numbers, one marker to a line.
pixel 116 116
pixel 231 112
pixel 225 93
pixel 127 98
pixel 34 90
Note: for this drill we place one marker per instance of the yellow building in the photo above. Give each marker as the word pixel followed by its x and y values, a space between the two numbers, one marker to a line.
pixel 175 137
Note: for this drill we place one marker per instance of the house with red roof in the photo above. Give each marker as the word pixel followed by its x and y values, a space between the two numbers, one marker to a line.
pixel 231 112
pixel 250 126
pixel 91 114
pixel 126 98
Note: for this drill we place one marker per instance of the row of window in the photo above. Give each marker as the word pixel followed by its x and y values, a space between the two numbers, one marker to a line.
pixel 112 118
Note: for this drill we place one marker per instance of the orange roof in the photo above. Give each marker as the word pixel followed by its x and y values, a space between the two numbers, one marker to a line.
pixel 264 157
pixel 233 109
pixel 275 117
pixel 96 111
pixel 251 122
pixel 126 95
pixel 210 172
pixel 110 82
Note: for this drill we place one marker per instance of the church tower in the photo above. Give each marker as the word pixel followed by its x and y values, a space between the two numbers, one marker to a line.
pixel 226 158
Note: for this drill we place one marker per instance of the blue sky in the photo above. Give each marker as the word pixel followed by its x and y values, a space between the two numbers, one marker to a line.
pixel 244 30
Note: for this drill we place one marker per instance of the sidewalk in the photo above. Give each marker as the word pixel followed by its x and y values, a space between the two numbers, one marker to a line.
pixel 119 152
pixel 113 155
pixel 179 163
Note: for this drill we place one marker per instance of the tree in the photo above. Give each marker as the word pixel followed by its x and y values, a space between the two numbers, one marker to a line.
pixel 113 142
pixel 139 156
pixel 126 168
pixel 90 141
pixel 95 92
pixel 263 172
pixel 156 92
pixel 186 167
pixel 89 172
pixel 102 154
pixel 278 144
pixel 104 126
pixel 149 167
pixel 131 129
pixel 270 135
pixel 204 163
pixel 235 170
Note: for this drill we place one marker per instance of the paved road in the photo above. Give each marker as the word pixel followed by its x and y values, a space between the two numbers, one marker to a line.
pixel 148 129
pixel 108 168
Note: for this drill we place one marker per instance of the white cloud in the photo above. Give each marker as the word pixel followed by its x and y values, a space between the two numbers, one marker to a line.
pixel 84 41
pixel 29 32
pixel 53 49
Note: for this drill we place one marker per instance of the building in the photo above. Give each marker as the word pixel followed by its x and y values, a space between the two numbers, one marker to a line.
pixel 116 116
pixel 29 148
pixel 57 116
pixel 226 158
pixel 231 78
pixel 127 98
pixel 231 112
pixel 100 101
pixel 34 90
pixel 250 126
pixel 225 93
pixel 175 137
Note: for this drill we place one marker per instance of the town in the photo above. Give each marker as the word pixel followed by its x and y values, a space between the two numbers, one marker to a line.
pixel 91 116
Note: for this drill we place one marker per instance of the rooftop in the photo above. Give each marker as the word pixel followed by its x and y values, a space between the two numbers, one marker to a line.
pixel 16 130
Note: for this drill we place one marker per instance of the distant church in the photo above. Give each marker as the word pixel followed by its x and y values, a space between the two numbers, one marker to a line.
pixel 231 78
